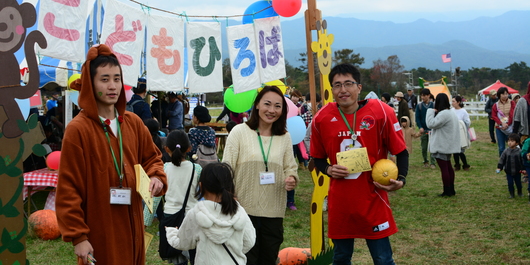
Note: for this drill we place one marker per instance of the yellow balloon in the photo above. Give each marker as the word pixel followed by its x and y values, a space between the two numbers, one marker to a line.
pixel 73 78
pixel 277 83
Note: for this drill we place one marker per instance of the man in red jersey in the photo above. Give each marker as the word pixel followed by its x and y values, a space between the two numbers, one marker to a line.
pixel 358 207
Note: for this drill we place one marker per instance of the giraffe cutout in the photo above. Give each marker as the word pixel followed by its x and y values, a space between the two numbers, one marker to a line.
pixel 322 48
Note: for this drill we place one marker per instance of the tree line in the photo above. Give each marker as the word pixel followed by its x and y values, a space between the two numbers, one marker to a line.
pixel 389 75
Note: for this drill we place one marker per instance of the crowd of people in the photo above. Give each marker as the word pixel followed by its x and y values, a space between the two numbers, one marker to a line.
pixel 237 206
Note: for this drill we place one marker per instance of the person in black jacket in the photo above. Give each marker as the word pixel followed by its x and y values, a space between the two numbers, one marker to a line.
pixel 141 108
pixel 489 105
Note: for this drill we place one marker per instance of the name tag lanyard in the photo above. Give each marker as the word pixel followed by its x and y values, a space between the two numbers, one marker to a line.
pixel 120 140
pixel 265 158
pixel 353 135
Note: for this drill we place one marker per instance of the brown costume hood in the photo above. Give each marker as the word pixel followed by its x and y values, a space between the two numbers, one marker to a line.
pixel 87 99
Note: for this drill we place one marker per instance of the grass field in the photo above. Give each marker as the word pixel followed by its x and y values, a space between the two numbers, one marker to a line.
pixel 479 225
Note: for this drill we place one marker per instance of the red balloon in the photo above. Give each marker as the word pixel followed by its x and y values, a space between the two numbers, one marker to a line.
pixel 53 159
pixel 286 8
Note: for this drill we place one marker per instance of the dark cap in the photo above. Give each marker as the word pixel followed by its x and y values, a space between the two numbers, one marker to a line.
pixel 202 114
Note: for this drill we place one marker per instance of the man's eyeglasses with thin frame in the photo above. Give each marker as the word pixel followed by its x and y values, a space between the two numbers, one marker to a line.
pixel 346 84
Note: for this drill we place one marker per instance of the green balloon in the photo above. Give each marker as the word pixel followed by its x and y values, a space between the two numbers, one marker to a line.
pixel 239 102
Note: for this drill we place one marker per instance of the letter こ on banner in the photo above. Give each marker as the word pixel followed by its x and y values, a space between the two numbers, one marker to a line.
pixel 63 23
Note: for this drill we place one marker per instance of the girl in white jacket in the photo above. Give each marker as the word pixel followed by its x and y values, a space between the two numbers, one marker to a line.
pixel 218 227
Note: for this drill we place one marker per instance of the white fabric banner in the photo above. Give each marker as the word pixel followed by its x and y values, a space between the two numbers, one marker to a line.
pixel 205 73
pixel 243 52
pixel 270 46
pixel 63 23
pixel 165 53
pixel 124 32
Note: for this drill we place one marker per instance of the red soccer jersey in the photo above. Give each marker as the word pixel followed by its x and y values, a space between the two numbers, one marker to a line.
pixel 356 208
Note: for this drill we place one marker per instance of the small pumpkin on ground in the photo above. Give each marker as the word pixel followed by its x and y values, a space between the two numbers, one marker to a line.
pixel 289 256
pixel 43 224
pixel 383 170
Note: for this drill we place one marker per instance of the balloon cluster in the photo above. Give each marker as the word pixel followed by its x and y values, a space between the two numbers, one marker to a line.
pixel 284 8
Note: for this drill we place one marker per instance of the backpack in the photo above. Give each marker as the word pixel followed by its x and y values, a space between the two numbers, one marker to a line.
pixel 206 155
pixel 130 105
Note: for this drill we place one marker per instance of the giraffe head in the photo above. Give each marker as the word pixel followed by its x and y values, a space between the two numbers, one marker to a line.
pixel 323 48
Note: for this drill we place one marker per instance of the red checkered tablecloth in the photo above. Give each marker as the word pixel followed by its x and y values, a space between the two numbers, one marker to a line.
pixel 39 180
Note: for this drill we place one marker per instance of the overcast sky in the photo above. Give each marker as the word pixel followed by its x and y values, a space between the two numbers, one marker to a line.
pixel 399 11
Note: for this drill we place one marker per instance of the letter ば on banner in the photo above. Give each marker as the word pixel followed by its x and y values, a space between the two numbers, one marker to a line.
pixel 63 23
pixel 204 57
pixel 243 52
pixel 270 45
pixel 123 31
pixel 165 53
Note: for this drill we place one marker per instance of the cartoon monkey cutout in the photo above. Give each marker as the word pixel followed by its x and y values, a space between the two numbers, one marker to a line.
pixel 15 19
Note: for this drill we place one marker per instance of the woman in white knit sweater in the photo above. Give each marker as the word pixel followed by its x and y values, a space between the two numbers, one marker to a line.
pixel 261 153
pixel 444 140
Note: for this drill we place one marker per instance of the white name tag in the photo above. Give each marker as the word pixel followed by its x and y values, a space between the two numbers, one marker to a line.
pixel 266 178
pixel 120 196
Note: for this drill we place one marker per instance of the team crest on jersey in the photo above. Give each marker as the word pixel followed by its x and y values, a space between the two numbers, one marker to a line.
pixel 367 122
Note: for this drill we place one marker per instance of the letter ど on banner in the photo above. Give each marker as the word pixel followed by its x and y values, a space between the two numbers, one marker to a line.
pixel 63 23
pixel 270 45
pixel 204 57
pixel 165 53
pixel 123 31
pixel 243 57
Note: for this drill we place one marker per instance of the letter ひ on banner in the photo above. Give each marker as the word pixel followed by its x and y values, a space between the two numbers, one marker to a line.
pixel 123 31
pixel 243 57
pixel 165 53
pixel 204 57
pixel 271 57
pixel 63 23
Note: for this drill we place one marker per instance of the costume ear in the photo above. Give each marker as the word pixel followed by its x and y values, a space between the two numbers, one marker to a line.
pixel 28 13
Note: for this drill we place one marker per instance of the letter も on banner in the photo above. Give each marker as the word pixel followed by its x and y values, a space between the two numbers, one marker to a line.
pixel 204 57
pixel 270 45
pixel 243 52
pixel 165 53
pixel 63 23
pixel 123 31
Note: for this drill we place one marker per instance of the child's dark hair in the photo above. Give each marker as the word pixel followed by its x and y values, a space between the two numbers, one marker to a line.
pixel 178 143
pixel 230 125
pixel 403 120
pixel 153 126
pixel 217 178
pixel 515 137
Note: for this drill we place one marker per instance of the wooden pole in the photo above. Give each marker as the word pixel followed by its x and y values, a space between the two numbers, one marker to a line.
pixel 312 15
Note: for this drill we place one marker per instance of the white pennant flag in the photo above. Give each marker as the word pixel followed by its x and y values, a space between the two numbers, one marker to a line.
pixel 165 53
pixel 63 23
pixel 124 33
pixel 204 57
pixel 243 57
pixel 270 46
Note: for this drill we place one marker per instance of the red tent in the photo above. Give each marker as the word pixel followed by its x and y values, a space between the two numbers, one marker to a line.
pixel 495 86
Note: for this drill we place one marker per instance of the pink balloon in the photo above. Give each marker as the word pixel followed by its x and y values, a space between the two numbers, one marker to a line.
pixel 287 8
pixel 292 109
pixel 128 94
pixel 53 159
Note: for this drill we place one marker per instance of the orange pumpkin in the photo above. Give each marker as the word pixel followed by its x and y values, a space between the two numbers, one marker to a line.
pixel 289 256
pixel 43 224
pixel 383 170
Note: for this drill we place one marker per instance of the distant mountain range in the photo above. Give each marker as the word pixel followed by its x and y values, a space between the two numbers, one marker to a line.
pixel 494 42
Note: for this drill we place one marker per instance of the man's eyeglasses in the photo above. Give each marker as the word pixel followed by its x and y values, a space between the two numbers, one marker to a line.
pixel 347 84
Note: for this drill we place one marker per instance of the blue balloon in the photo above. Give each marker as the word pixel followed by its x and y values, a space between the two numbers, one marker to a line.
pixel 296 128
pixel 256 7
